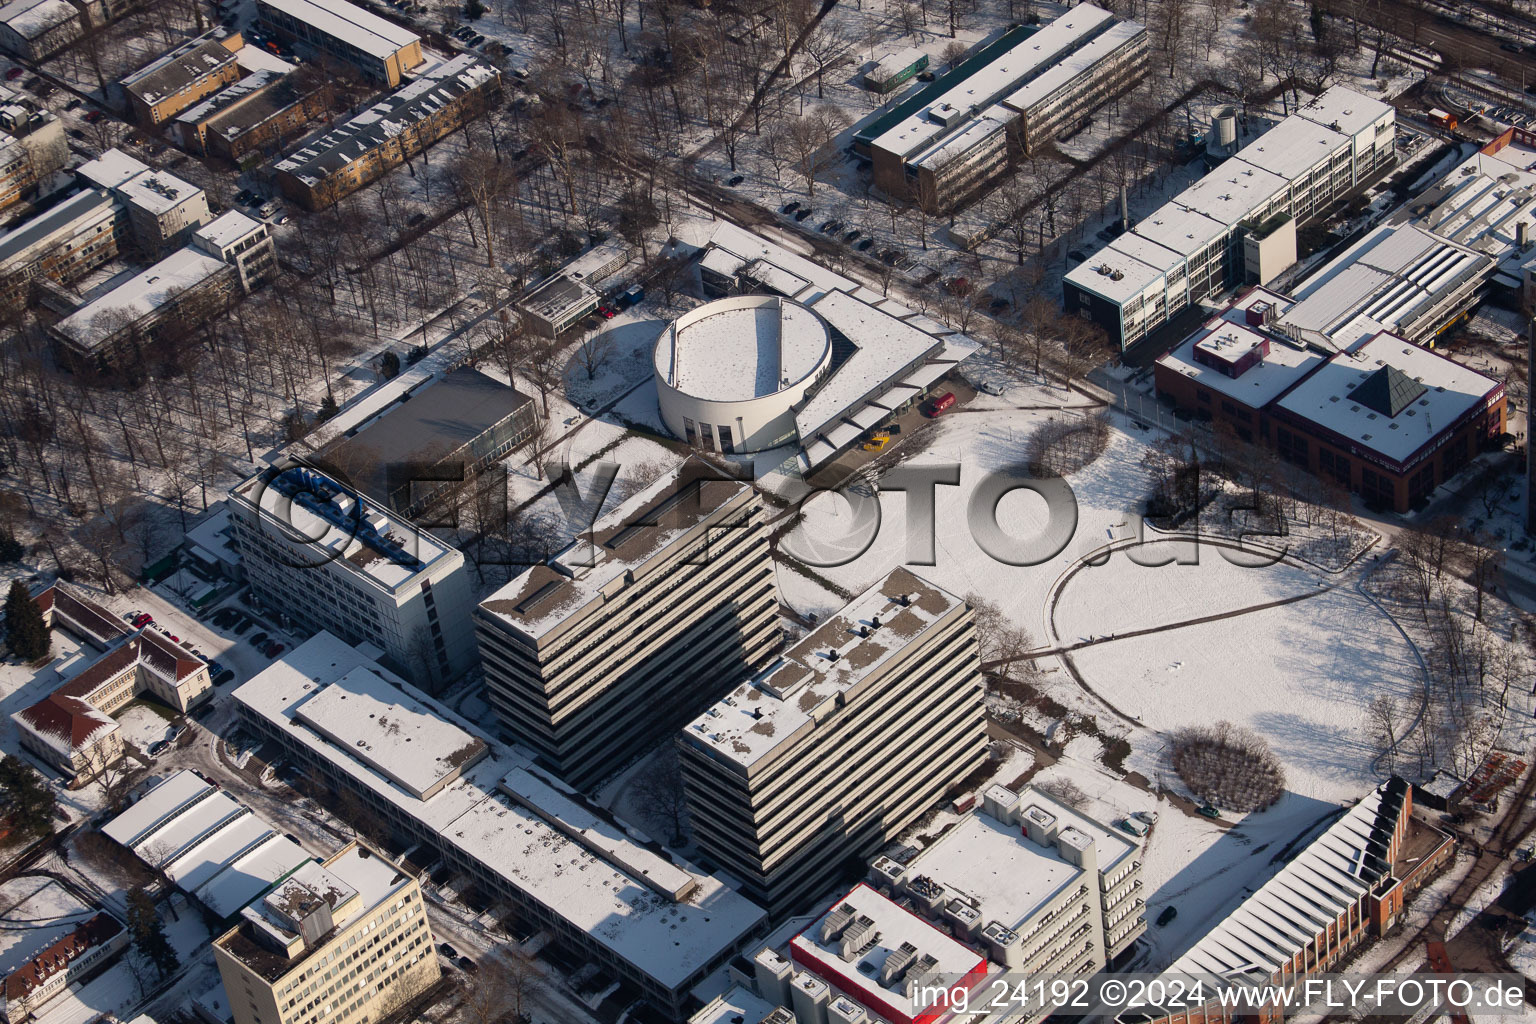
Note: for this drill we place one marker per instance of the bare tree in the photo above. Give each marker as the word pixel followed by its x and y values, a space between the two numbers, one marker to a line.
pixel 665 798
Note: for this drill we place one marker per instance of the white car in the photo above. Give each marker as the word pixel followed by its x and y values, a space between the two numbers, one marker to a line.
pixel 1150 817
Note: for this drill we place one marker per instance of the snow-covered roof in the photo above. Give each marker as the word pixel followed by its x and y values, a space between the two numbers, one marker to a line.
pixel 742 347
pixel 1229 336
pixel 161 803
pixel 384 549
pixel 1182 229
pixel 1345 110
pixel 1044 86
pixel 1396 275
pixel 141 296
pixel 667 939
pixel 382 727
pixel 225 230
pixel 736 1005
pixel 235 92
pixel 1002 872
pixel 111 169
pixel 39 912
pixel 886 349
pixel 178 70
pixel 349 23
pixel 81 212
pixel 1125 268
pixel 622 544
pixel 1232 192
pixel 947 148
pixel 808 684
pixel 895 932
pixel 1450 391
pixel 31 19
pixel 158 192
pixel 894 64
pixel 1305 898
pixel 432 90
pixel 980 87
pixel 1293 147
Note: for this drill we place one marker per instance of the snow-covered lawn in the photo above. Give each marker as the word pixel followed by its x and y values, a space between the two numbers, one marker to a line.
pixel 142 726
pixel 1301 675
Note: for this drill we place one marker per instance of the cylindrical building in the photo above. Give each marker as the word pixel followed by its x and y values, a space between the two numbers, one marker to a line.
pixel 730 374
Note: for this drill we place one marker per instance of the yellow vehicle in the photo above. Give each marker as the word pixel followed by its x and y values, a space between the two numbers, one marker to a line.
pixel 877 442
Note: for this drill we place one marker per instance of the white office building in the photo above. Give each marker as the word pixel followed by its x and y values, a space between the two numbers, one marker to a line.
pixel 327 557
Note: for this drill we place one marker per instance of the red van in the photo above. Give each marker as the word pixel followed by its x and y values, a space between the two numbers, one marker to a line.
pixel 940 404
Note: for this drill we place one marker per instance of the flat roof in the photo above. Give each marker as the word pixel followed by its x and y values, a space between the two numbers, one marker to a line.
pixel 622 543
pixel 1345 110
pixel 423 426
pixel 1232 192
pixel 667 939
pixel 76 213
pixel 1118 273
pixel 226 229
pixel 1002 872
pixel 1182 229
pixel 30 19
pixel 893 930
pixel 737 1005
pixel 1045 85
pixel 342 526
pixel 805 686
pixel 1286 362
pixel 384 728
pixel 158 192
pixel 992 76
pixel 1293 147
pixel 111 169
pixel 140 296
pixel 38 912
pixel 1450 392
pixel 740 348
pixel 886 348
pixel 182 67
pixel 368 32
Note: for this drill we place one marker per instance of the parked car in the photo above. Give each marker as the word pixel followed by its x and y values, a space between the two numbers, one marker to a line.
pixel 632 295
pixel 91 116
pixel 865 245
pixel 143 619
pixel 989 387
pixel 852 236
pixel 257 639
pixel 14 73
pixel 222 676
pixel 447 950
pixel 1510 47
pixel 477 40
pixel 791 206
pixel 1150 817
pixel 172 637
pixel 275 649
pixel 1210 812
pixel 130 616
pixel 1131 825
pixel 607 312
pixel 800 217
pixel 157 748
pixel 466 964
pixel 73 104
pixel 735 179
pixel 1167 916
pixel 940 405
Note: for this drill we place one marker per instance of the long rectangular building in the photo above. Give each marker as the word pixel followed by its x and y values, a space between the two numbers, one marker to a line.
pixel 947 140
pixel 557 862
pixel 376 46
pixel 1229 225
pixel 336 162
pixel 839 744
pixel 628 633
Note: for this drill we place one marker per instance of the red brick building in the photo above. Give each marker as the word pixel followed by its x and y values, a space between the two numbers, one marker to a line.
pixel 1384 418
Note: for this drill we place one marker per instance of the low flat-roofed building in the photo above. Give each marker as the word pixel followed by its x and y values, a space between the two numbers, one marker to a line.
pixel 205 843
pixel 169 84
pixel 242 242
pixel 381 49
pixel 182 290
pixel 417 451
pixel 558 861
pixel 886 692
pixel 557 304
pixel 437 100
pixel 358 916
pixel 895 69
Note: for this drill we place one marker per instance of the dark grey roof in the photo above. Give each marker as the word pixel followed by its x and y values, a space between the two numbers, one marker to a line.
pixel 422 428
pixel 172 73
pixel 1388 391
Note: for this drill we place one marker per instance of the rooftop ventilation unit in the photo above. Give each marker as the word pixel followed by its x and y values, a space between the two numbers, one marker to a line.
pixel 896 963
